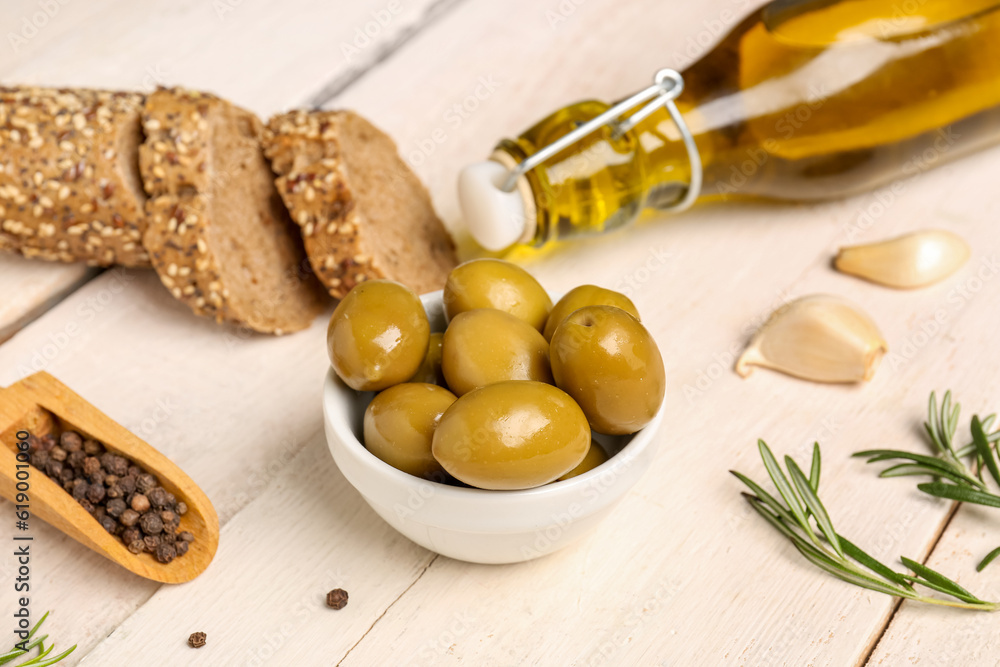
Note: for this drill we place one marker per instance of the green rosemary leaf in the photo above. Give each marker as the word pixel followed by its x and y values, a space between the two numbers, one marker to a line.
pixel 784 487
pixel 774 520
pixel 814 504
pixel 38 658
pixel 875 566
pixel 990 557
pixel 11 655
pixel 908 469
pixel 814 469
pixel 878 455
pixel 937 581
pixel 764 496
pixel 831 566
pixel 964 494
pixel 983 447
pixel 52 661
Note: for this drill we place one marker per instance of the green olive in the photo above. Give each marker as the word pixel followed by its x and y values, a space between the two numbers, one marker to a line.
pixel 484 346
pixel 511 435
pixel 494 283
pixel 430 367
pixel 399 425
pixel 586 295
pixel 378 335
pixel 609 363
pixel 595 457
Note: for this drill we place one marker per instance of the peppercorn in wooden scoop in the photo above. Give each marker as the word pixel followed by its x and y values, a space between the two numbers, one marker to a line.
pixel 41 406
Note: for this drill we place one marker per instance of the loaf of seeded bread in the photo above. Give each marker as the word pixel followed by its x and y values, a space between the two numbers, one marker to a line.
pixel 362 211
pixel 69 182
pixel 218 235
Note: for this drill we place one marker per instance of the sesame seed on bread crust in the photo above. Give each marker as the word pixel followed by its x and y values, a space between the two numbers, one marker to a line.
pixel 362 211
pixel 69 186
pixel 218 235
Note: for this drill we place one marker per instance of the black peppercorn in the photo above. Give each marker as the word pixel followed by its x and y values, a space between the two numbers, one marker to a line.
pixel 182 508
pixel 130 535
pixel 71 441
pixel 66 475
pixel 157 497
pixel 109 524
pixel 40 459
pixel 144 483
pixel 181 547
pixel 58 454
pixel 197 640
pixel 76 459
pixel 87 505
pixel 336 599
pixel 168 517
pixel 92 447
pixel 137 546
pixel 116 507
pixel 127 485
pixel 166 553
pixel 129 517
pixel 91 464
pixel 54 468
pixel 95 493
pixel 114 491
pixel 115 464
pixel 150 523
pixel 111 480
pixel 80 487
pixel 97 477
pixel 99 512
pixel 186 536
pixel 151 541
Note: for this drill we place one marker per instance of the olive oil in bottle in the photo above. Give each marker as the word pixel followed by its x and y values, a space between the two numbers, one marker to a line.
pixel 803 100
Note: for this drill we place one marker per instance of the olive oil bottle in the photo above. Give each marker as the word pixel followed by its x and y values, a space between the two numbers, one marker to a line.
pixel 803 100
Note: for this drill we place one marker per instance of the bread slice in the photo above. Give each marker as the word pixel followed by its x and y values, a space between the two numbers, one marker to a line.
pixel 362 211
pixel 218 234
pixel 69 175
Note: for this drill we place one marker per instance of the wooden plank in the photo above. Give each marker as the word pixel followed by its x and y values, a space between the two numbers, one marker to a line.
pixel 29 288
pixel 262 55
pixel 307 534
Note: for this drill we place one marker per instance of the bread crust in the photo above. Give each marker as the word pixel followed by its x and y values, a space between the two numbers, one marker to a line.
pixel 66 192
pixel 307 151
pixel 176 163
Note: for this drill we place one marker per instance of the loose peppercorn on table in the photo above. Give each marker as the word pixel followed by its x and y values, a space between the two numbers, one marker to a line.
pixel 683 573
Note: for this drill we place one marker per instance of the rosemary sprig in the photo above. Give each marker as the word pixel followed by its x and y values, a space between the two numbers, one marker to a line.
pixel 803 519
pixel 951 477
pixel 40 660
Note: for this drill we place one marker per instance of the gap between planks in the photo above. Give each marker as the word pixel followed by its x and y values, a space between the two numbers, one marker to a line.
pixel 341 82
pixel 874 643
pixel 389 606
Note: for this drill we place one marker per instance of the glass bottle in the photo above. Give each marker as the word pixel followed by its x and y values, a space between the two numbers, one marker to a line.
pixel 803 100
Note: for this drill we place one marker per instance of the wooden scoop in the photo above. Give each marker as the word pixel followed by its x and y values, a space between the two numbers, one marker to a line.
pixel 37 404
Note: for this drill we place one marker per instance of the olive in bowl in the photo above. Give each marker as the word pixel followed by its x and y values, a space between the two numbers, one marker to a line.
pixel 480 525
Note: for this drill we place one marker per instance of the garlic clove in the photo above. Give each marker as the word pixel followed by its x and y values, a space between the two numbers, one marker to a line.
pixel 905 262
pixel 821 338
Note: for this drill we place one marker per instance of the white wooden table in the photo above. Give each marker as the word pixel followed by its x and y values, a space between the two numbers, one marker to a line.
pixel 683 574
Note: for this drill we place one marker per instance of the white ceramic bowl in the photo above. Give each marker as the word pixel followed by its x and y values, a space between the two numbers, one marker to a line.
pixel 473 524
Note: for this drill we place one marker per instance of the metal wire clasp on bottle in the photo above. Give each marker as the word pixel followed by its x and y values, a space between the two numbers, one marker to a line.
pixel 667 86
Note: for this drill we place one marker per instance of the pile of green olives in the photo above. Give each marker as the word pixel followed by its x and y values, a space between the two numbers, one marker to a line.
pixel 509 395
